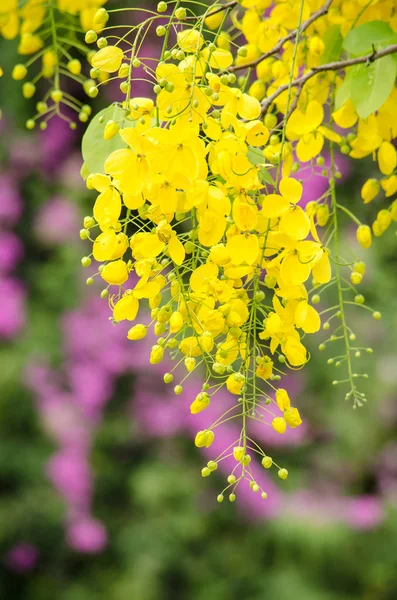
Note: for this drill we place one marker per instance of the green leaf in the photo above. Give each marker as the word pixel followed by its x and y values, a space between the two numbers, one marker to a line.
pixel 372 84
pixel 94 148
pixel 333 41
pixel 255 156
pixel 265 177
pixel 344 92
pixel 361 39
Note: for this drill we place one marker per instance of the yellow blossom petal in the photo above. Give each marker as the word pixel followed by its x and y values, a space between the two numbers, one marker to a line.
pixel 176 250
pixel 126 308
pixel 243 249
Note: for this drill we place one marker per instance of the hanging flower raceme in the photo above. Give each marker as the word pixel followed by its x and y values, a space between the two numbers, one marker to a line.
pixel 198 225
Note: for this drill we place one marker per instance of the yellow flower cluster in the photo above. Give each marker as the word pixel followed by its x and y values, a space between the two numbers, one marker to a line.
pixel 198 227
pixel 48 35
pixel 357 136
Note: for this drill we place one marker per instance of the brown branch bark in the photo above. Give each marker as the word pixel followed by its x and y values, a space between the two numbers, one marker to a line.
pixel 320 13
pixel 299 82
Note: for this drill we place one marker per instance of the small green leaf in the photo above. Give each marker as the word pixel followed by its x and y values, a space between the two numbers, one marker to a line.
pixel 94 148
pixel 333 41
pixel 265 177
pixel 255 156
pixel 372 84
pixel 361 39
pixel 344 92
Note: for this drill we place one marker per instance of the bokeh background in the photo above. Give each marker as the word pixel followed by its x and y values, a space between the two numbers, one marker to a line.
pixel 101 494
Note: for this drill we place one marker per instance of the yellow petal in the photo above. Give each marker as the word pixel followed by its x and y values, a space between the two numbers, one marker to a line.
pixel 115 273
pixel 274 205
pixel 243 249
pixel 346 116
pixel 176 250
pixel 294 271
pixel 108 59
pixel 126 308
pixel 387 158
pixel 200 277
pixel 322 270
pixel 248 108
pixel 309 146
pixel 295 223
pixel 291 189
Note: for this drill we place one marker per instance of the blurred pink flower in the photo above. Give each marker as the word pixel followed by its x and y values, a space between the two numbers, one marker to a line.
pixel 11 251
pixel 87 535
pixel 10 201
pixel 12 314
pixel 364 512
pixel 57 221
pixel 22 557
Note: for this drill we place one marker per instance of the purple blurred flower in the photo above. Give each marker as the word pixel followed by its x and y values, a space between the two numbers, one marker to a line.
pixel 364 512
pixel 25 155
pixel 87 535
pixel 22 557
pixel 11 251
pixel 71 475
pixel 10 201
pixel 57 221
pixel 12 314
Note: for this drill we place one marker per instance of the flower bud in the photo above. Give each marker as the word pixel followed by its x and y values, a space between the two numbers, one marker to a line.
pixel 364 236
pixel 283 473
pixel 101 16
pixel 267 462
pixel 370 190
pixel 28 89
pixel 19 72
pixel 90 37
pixel 156 354
pixel 111 129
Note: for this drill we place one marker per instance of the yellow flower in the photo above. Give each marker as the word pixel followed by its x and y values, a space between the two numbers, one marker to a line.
pixel 364 236
pixel 190 40
pixel 126 308
pixel 243 249
pixel 307 318
pixel 138 332
pixel 115 273
pixel 387 158
pixel 156 354
pixel 204 438
pixel 109 246
pixel 200 403
pixel 108 59
pixel 304 126
pixel 234 383
pixel 107 208
pixel 292 417
pixel 190 346
pixel 279 424
pixel 264 368
pixel 282 399
pixel 176 322
pixel 370 190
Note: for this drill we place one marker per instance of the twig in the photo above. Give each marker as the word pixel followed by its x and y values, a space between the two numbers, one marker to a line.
pixel 320 13
pixel 332 66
